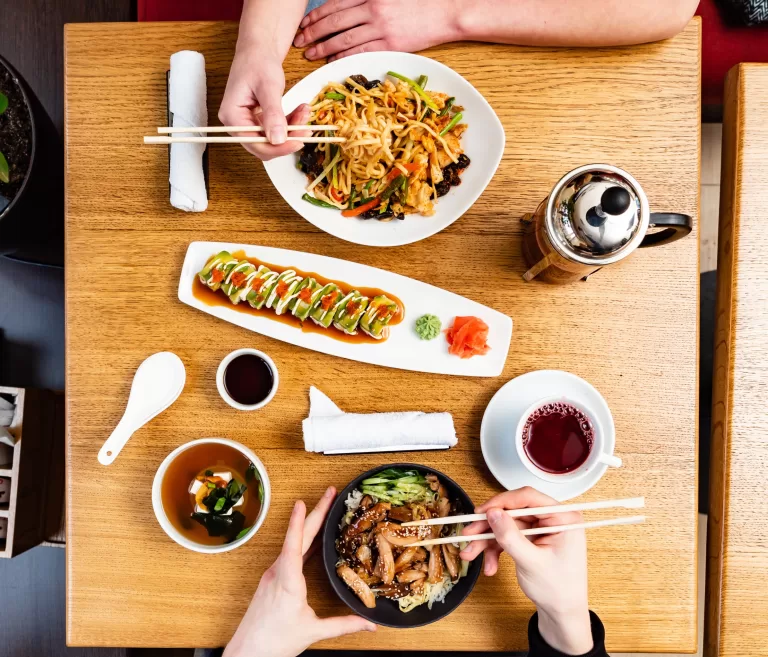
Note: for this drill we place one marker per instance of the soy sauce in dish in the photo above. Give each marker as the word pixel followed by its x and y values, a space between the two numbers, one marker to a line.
pixel 248 379
pixel 558 437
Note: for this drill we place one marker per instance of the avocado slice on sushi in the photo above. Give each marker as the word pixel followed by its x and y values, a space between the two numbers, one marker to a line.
pixel 261 287
pixel 217 269
pixel 304 297
pixel 377 316
pixel 351 310
pixel 237 280
pixel 324 308
pixel 280 296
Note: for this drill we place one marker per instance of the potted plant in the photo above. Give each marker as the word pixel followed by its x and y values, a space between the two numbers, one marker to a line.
pixel 31 175
pixel 17 140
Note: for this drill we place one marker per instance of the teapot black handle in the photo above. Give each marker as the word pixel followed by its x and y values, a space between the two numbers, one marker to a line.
pixel 675 227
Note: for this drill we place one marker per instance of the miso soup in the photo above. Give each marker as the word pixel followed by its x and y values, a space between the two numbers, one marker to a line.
pixel 212 493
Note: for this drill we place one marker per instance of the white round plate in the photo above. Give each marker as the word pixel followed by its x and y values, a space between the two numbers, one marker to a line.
pixel 497 433
pixel 483 143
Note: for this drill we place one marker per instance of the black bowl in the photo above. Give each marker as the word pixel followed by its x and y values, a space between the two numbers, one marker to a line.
pixel 386 611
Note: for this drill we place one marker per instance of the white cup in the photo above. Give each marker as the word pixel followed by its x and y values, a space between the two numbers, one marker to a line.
pixel 167 525
pixel 597 455
pixel 223 389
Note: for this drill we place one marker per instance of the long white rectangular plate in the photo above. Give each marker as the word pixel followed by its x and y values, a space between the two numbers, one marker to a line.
pixel 402 350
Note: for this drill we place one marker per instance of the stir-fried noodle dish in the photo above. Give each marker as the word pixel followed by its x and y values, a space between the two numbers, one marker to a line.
pixel 402 150
pixel 377 557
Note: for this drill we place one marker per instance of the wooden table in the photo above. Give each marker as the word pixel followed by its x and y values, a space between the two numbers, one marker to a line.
pixel 632 331
pixel 736 621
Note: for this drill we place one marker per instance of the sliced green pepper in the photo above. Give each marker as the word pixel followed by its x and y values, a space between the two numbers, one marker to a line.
pixel 425 97
pixel 448 104
pixel 352 197
pixel 456 118
pixel 318 202
pixel 392 188
pixel 335 95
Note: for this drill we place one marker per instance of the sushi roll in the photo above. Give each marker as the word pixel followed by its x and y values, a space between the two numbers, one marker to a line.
pixel 280 296
pixel 325 306
pixel 217 269
pixel 261 287
pixel 304 297
pixel 237 280
pixel 377 316
pixel 351 309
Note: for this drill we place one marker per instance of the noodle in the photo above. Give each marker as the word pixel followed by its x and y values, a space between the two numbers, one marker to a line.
pixel 402 148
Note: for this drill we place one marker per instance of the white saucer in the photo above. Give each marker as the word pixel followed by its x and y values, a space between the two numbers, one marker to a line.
pixel 497 433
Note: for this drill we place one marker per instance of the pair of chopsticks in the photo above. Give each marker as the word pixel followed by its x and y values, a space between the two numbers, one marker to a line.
pixel 239 140
pixel 628 503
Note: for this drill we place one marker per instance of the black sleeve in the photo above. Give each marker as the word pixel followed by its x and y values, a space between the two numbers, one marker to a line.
pixel 537 647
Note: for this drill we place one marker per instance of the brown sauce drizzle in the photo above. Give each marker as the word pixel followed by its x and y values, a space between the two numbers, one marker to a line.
pixel 203 293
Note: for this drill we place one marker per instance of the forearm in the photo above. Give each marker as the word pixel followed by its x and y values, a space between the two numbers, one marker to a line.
pixel 571 23
pixel 558 638
pixel 269 26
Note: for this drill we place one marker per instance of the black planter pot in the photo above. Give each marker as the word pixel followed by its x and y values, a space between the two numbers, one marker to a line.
pixel 32 225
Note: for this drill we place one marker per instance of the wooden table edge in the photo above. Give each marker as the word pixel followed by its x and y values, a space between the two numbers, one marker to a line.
pixel 722 386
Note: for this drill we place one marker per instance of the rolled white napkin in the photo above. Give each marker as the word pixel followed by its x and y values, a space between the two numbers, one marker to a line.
pixel 6 437
pixel 187 102
pixel 331 431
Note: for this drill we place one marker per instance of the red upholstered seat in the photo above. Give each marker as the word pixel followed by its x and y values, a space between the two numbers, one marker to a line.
pixel 189 10
pixel 724 44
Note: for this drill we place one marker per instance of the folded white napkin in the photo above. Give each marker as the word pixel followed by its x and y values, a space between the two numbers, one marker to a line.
pixel 6 419
pixel 187 102
pixel 331 431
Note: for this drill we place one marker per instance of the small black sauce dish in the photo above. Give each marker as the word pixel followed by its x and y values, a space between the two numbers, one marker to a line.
pixel 387 611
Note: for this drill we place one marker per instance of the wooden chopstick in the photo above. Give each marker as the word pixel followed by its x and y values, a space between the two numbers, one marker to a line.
pixel 628 503
pixel 167 130
pixel 239 140
pixel 556 529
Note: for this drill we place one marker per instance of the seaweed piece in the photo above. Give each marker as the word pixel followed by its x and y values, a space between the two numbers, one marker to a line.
pixel 310 160
pixel 442 188
pixel 219 525
pixel 221 500
pixel 363 82
pixel 375 214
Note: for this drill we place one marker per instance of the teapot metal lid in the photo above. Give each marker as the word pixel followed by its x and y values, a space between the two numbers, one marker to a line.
pixel 596 214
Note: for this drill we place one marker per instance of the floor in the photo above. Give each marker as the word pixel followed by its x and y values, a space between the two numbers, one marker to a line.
pixel 32 328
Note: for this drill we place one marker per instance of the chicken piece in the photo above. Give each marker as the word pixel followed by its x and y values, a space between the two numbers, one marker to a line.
pixel 385 565
pixel 423 201
pixel 433 481
pixel 417 587
pixel 435 170
pixel 368 518
pixel 366 502
pixel 409 556
pixel 422 159
pixel 403 536
pixel 439 98
pixel 401 513
pixel 369 578
pixel 393 591
pixel 411 575
pixel 361 589
pixel 365 557
pixel 435 573
pixel 443 503
pixel 442 158
pixel 452 563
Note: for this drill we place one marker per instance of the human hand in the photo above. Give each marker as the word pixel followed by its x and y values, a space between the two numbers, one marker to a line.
pixel 551 569
pixel 254 97
pixel 279 622
pixel 369 25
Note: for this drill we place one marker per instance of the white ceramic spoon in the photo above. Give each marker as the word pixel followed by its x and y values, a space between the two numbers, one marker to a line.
pixel 156 385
